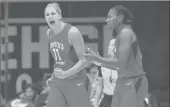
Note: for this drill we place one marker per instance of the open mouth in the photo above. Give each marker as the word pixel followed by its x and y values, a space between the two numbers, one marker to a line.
pixel 52 22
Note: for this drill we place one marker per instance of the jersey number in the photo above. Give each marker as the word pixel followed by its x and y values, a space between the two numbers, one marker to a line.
pixel 56 54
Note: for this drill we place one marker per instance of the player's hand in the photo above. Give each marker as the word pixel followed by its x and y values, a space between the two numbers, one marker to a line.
pixel 48 81
pixel 91 55
pixel 60 74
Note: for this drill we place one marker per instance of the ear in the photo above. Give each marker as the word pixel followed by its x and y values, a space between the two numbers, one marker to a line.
pixel 120 17
pixel 60 16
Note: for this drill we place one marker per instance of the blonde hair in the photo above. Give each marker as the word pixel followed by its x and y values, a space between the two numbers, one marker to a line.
pixel 55 6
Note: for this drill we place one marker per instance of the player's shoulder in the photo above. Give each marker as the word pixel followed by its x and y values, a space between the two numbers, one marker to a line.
pixel 74 33
pixel 126 33
pixel 73 29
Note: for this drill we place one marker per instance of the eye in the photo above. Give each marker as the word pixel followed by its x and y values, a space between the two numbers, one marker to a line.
pixel 53 13
pixel 47 14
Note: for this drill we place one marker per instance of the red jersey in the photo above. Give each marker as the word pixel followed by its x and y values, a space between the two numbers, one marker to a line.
pixel 134 63
pixel 62 51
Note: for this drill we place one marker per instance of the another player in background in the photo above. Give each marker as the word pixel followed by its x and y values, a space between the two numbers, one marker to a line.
pixel 132 85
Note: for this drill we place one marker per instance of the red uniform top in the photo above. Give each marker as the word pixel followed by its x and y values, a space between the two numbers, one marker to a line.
pixel 134 63
pixel 62 51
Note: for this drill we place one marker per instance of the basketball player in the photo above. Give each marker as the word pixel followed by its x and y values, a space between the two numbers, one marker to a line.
pixel 67 87
pixel 132 85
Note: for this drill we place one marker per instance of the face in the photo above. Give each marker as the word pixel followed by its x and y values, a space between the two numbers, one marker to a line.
pixel 111 47
pixel 111 19
pixel 52 16
pixel 29 93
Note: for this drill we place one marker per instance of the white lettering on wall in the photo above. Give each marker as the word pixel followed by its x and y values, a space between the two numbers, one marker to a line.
pixel 12 62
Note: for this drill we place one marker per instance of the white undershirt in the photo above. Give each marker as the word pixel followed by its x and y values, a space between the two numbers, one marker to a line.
pixel 108 74
pixel 108 85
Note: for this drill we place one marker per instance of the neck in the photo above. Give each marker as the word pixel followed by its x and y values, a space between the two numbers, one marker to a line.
pixel 57 28
pixel 119 28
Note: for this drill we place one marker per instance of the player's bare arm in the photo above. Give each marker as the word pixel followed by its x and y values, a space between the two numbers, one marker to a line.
pixel 76 40
pixel 48 32
pixel 123 52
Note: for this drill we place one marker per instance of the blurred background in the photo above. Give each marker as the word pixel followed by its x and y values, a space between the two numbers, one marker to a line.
pixel 25 58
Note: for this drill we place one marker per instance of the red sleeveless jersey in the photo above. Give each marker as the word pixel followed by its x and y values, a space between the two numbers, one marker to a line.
pixel 62 51
pixel 134 64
